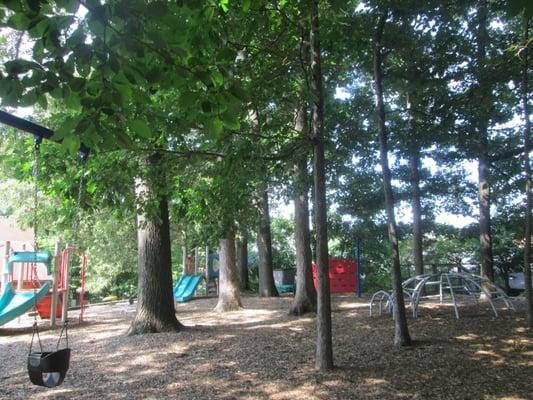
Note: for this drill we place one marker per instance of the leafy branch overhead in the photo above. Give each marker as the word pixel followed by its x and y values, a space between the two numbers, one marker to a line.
pixel 109 63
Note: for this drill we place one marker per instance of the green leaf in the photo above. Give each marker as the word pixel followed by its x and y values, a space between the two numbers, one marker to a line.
pixel 215 128
pixel 205 78
pixel 157 9
pixel 239 92
pixel 66 128
pixel 207 107
pixel 16 67
pixel 140 128
pixel 231 122
pixel 35 5
pixel 70 6
pixel 77 84
pixel 73 102
pixel 40 28
pixel 29 98
pixel 91 187
pixel 42 101
pixel 224 4
pixel 217 77
pixel 515 7
pixel 18 21
pixel 246 5
pixel 72 144
pixel 124 91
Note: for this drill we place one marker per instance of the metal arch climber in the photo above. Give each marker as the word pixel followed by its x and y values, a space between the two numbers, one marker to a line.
pixel 452 284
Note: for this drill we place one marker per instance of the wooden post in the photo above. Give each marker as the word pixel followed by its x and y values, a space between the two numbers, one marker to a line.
pixel 20 282
pixel 55 277
pixel 195 260
pixel 5 271
pixel 64 311
pixel 184 259
pixel 206 263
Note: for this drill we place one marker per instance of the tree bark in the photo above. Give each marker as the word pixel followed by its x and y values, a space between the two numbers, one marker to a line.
pixel 485 234
pixel 324 345
pixel 242 263
pixel 401 331
pixel 229 297
pixel 418 252
pixel 267 288
pixel 527 170
pixel 155 302
pixel 305 297
pixel 414 166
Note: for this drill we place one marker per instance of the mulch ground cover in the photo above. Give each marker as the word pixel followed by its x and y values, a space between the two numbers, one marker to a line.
pixel 262 353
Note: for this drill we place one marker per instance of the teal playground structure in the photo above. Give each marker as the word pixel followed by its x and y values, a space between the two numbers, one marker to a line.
pixel 14 304
pixel 186 286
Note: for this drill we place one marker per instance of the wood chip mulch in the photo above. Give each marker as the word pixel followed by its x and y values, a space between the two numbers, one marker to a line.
pixel 262 353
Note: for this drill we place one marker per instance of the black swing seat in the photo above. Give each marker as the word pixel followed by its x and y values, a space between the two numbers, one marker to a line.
pixel 48 369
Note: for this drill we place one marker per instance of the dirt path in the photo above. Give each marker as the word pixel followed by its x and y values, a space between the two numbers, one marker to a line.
pixel 262 353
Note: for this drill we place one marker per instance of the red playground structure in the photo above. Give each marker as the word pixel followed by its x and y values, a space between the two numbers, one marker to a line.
pixel 39 280
pixel 343 275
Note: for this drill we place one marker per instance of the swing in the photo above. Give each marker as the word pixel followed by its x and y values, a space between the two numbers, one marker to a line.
pixel 48 368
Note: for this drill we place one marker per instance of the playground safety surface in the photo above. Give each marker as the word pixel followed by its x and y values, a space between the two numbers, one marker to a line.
pixel 262 353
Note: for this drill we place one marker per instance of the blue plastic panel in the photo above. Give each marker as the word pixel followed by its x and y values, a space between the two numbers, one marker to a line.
pixel 43 257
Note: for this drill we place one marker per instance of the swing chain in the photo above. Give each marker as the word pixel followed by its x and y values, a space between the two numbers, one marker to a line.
pixel 35 174
pixel 77 214
pixel 36 332
pixel 63 329
pixel 78 211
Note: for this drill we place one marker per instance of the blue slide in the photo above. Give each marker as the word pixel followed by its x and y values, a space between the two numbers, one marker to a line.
pixel 13 304
pixel 186 287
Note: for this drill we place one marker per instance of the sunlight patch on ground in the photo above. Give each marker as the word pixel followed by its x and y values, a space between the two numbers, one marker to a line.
pixel 281 325
pixel 307 391
pixel 510 398
pixel 352 304
pixel 375 381
pixel 497 359
pixel 249 315
pixel 468 336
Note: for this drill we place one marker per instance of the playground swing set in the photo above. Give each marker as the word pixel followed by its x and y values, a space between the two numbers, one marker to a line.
pixel 48 293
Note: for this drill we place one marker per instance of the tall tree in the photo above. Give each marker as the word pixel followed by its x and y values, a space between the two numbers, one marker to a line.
pixel 242 262
pixel 482 122
pixel 416 206
pixel 267 287
pixel 155 302
pixel 305 297
pixel 324 345
pixel 401 331
pixel 527 169
pixel 229 298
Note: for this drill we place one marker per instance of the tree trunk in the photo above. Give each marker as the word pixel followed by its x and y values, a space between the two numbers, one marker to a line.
pixel 242 263
pixel 324 345
pixel 527 170
pixel 401 331
pixel 267 288
pixel 229 297
pixel 414 166
pixel 305 297
pixel 485 235
pixel 418 255
pixel 155 302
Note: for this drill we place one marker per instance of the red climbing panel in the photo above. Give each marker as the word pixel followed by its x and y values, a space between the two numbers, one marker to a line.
pixel 342 275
